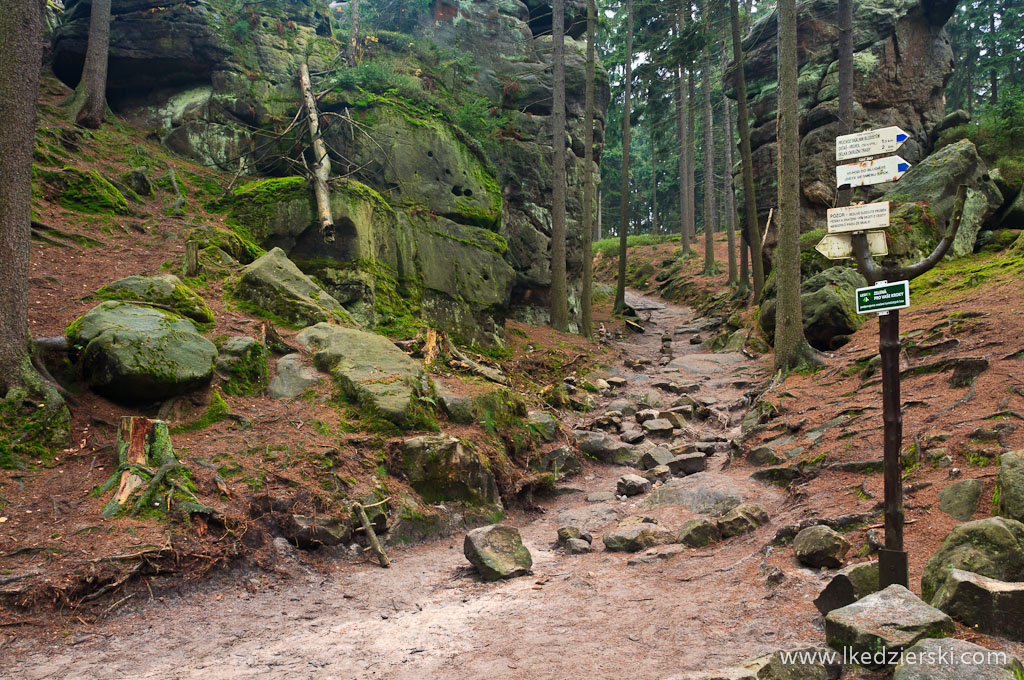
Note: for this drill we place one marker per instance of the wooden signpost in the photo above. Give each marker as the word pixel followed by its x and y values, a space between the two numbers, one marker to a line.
pixel 888 292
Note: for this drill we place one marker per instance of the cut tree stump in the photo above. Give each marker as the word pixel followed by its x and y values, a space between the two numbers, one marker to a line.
pixel 191 259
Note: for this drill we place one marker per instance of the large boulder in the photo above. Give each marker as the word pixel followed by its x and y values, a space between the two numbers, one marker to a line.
pixel 848 586
pixel 368 368
pixel 952 659
pixel 606 449
pixel 933 183
pixel 637 537
pixel 165 290
pixel 984 604
pixel 959 500
pixel 742 519
pixel 242 363
pixel 992 547
pixel 440 469
pixel 273 285
pixel 497 552
pixel 828 303
pixel 140 354
pixel 1010 482
pixel 902 61
pixel 879 626
pixel 292 378
pixel 820 546
pixel 702 493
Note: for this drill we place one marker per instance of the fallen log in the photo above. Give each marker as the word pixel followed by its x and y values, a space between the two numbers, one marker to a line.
pixel 321 163
pixel 360 513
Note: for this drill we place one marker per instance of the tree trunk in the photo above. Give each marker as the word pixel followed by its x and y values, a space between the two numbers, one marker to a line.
pixel 753 232
pixel 89 102
pixel 191 267
pixel 791 349
pixel 353 34
pixel 730 198
pixel 587 295
pixel 620 288
pixel 600 214
pixel 684 237
pixel 654 188
pixel 691 158
pixel 709 148
pixel 846 122
pixel 992 73
pixel 321 162
pixel 558 301
pixel 21 54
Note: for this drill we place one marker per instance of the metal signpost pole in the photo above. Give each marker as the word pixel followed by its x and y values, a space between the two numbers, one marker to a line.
pixel 892 560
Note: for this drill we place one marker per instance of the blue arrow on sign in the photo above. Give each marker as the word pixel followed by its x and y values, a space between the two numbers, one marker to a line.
pixel 903 167
pixel 901 138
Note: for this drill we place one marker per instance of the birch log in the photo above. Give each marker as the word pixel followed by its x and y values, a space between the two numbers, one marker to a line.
pixel 321 163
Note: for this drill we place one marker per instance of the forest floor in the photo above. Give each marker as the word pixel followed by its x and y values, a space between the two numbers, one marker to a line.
pixel 666 611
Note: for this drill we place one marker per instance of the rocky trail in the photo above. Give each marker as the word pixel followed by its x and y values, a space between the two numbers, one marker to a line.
pixel 667 610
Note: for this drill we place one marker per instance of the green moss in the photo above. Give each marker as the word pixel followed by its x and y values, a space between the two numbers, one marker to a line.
pixel 26 432
pixel 361 192
pixel 87 191
pixel 214 413
pixel 247 372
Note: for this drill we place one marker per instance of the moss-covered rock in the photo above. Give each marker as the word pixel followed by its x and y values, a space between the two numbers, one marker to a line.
pixel 992 547
pixel 440 469
pixel 828 305
pixel 273 286
pixel 231 242
pixel 368 368
pixel 140 354
pixel 242 363
pixel 497 552
pixel 85 191
pixel 163 289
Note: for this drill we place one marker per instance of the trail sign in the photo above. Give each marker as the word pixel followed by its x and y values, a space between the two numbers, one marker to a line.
pixel 888 169
pixel 858 218
pixel 883 297
pixel 840 246
pixel 870 143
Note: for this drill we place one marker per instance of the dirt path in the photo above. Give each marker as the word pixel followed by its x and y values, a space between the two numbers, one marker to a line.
pixel 428 616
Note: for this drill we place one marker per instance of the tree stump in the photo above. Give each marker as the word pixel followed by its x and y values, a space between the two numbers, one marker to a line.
pixel 192 267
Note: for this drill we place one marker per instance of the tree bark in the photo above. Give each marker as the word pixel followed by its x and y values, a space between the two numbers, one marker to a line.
pixel 353 34
pixel 558 301
pixel 620 288
pixel 321 162
pixel 691 158
pixel 684 237
pixel 587 295
pixel 191 267
pixel 730 198
pixel 654 187
pixel 846 122
pixel 89 101
pixel 751 229
pixel 709 148
pixel 21 54
pixel 791 348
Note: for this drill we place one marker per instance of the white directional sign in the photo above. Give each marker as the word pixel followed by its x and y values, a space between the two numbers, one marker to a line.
pixel 858 217
pixel 870 143
pixel 840 246
pixel 888 169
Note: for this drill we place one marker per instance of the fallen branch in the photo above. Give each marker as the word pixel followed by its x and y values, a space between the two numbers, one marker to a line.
pixel 382 557
pixel 321 163
pixel 491 374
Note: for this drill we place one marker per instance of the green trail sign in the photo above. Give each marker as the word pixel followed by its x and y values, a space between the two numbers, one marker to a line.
pixel 883 297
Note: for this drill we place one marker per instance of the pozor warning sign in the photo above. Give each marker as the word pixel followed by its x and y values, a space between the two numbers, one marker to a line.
pixel 883 297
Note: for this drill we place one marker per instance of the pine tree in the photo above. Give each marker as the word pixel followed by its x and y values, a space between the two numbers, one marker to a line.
pixel 89 102
pixel 620 288
pixel 587 294
pixel 558 296
pixel 709 147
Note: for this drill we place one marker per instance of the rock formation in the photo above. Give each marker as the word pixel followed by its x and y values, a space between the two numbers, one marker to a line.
pixel 443 133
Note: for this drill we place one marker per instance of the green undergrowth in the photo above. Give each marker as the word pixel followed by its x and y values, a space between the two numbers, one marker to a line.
pixel 952 278
pixel 217 411
pixel 609 247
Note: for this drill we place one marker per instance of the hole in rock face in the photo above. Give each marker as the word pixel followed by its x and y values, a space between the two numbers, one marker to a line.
pixel 457 190
pixel 430 154
pixel 467 193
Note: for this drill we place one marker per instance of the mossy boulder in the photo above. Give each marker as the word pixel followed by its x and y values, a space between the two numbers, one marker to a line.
pixel 368 367
pixel 821 546
pixel 497 552
pixel 828 305
pixel 242 363
pixel 441 469
pixel 231 242
pixel 1010 482
pixel 992 547
pixel 273 286
pixel 163 289
pixel 139 354
pixel 85 191
pixel 936 179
